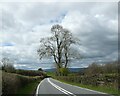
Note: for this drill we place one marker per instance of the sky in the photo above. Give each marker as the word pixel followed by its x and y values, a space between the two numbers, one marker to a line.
pixel 23 24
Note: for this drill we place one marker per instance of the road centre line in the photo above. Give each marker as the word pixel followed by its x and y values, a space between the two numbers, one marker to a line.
pixel 60 89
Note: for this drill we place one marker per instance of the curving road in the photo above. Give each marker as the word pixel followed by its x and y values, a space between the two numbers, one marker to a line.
pixel 53 87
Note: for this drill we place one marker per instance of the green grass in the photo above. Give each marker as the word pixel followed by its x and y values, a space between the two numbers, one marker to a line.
pixel 51 74
pixel 29 89
pixel 97 88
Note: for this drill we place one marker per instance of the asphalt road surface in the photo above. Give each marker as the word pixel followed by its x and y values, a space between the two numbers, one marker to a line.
pixel 52 87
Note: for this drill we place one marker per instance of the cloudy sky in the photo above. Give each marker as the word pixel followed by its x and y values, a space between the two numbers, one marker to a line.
pixel 23 24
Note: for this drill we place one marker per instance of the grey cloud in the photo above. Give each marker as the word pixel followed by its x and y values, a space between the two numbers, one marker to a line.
pixel 8 20
pixel 99 40
pixel 94 23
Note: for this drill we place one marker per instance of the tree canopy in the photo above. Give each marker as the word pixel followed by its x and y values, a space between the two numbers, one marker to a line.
pixel 59 46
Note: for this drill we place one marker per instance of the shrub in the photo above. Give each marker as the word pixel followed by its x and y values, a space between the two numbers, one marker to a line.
pixel 64 71
pixel 11 83
pixel 30 72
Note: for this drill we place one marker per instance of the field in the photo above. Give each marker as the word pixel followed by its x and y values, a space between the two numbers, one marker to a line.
pixel 29 88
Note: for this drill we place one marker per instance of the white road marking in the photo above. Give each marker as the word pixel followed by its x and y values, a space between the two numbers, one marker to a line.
pixel 63 90
pixel 82 88
pixel 37 91
pixel 60 89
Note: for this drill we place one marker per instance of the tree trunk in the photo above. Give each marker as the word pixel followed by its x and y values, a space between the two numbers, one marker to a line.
pixel 66 57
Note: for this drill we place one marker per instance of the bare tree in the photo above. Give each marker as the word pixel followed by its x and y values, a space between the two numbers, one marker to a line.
pixel 58 46
pixel 7 65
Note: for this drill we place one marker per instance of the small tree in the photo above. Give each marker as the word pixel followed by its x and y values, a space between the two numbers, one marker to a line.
pixel 40 69
pixel 58 46
pixel 111 67
pixel 94 69
pixel 7 65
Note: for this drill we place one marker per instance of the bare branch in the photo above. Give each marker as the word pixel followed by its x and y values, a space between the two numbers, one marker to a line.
pixel 58 46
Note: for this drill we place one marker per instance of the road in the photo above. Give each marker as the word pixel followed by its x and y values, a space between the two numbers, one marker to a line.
pixel 52 87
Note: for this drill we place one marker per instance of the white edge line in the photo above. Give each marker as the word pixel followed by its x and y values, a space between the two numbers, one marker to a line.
pixel 38 87
pixel 83 88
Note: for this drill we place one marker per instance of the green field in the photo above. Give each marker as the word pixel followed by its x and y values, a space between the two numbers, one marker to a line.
pixel 29 89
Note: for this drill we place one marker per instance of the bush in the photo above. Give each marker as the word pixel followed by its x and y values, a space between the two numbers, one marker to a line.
pixel 64 71
pixel 30 72
pixel 13 82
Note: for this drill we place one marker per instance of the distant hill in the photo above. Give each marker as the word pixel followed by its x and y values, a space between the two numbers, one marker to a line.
pixel 71 69
pixel 77 69
pixel 49 70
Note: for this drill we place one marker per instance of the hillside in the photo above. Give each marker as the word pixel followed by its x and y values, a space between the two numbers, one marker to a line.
pixel 70 69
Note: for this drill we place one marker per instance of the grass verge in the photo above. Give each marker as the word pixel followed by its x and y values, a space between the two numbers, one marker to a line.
pixel 96 88
pixel 29 88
